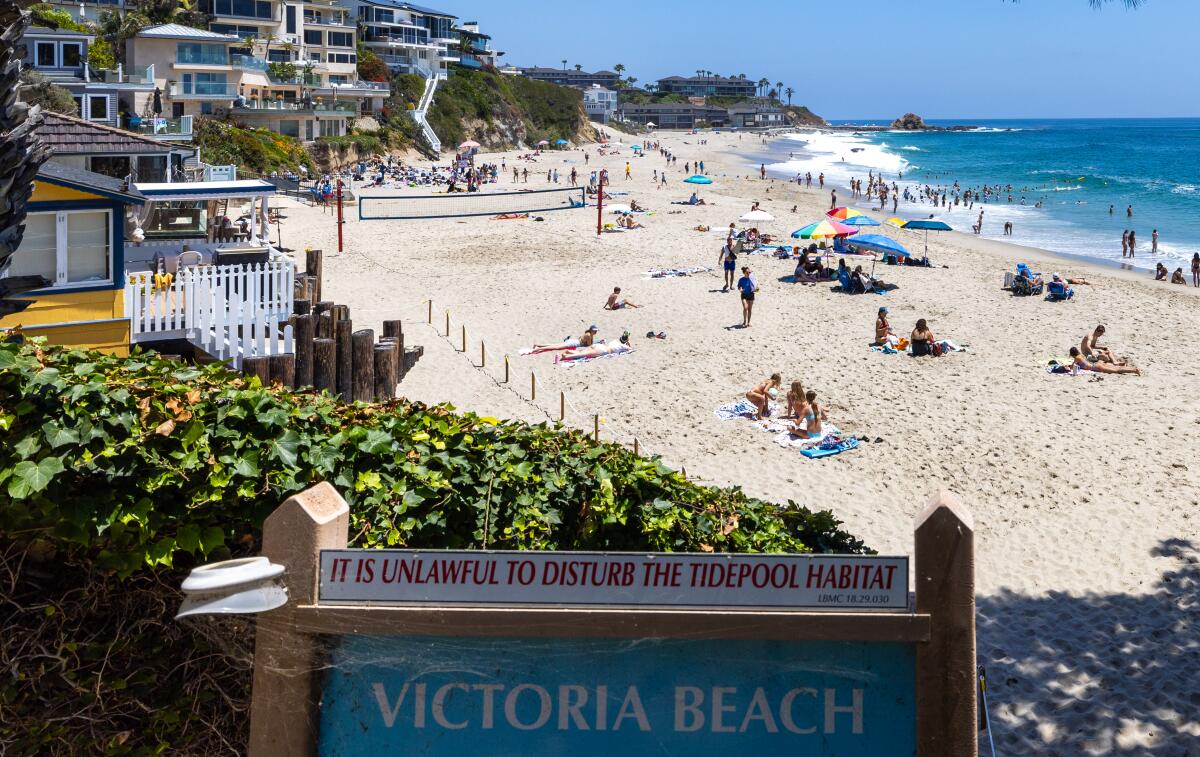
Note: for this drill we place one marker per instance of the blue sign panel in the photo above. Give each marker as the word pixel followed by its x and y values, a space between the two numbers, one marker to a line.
pixel 584 696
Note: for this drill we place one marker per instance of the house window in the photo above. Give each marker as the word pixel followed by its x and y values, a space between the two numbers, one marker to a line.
pixel 44 55
pixel 312 37
pixel 72 54
pixel 67 247
pixel 341 39
pixel 291 19
pixel 98 107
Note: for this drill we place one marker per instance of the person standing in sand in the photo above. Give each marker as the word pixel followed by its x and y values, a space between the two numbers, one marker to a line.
pixel 1154 242
pixel 728 261
pixel 833 199
pixel 1196 269
pixel 748 287
pixel 1132 242
pixel 1125 243
pixel 821 180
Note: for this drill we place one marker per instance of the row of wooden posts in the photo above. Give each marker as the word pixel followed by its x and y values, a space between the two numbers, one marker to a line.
pixel 329 354
pixel 562 397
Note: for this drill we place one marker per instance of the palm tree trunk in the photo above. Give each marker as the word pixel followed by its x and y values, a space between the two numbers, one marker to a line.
pixel 21 155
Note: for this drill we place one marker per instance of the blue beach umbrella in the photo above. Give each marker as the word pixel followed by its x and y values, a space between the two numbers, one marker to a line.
pixel 561 142
pixel 880 243
pixel 928 225
pixel 859 221
pixel 635 147
pixel 697 179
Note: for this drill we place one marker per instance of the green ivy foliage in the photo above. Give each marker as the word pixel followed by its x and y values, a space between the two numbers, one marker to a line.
pixel 146 461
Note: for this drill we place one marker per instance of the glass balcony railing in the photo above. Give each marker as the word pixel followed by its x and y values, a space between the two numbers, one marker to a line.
pixel 203 89
pixel 336 108
pixel 162 127
pixel 202 57
pixel 247 62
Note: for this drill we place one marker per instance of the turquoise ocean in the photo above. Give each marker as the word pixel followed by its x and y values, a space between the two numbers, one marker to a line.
pixel 1074 168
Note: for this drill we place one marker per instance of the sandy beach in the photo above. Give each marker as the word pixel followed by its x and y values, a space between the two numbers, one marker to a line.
pixel 1085 492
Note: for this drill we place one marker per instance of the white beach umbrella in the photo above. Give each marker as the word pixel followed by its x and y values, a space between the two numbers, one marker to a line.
pixel 619 208
pixel 756 215
pixel 651 124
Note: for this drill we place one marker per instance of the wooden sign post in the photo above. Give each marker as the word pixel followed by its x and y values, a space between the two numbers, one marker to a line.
pixel 481 652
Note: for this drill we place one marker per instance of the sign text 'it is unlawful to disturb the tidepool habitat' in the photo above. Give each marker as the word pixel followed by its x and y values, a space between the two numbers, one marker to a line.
pixel 818 582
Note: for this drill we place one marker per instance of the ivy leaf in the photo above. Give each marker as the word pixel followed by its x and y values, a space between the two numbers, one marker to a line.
pixel 211 538
pixel 30 477
pixel 57 436
pixel 287 447
pixel 188 538
pixel 247 466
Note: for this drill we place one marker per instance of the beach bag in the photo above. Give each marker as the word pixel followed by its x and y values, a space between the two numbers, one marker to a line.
pixel 936 349
pixel 902 344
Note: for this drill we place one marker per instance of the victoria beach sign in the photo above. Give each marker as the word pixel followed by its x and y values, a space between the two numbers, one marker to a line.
pixel 814 582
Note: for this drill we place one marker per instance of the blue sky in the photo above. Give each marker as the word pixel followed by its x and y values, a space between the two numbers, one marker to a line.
pixel 881 58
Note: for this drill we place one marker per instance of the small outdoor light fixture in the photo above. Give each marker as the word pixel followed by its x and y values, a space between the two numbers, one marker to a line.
pixel 233 587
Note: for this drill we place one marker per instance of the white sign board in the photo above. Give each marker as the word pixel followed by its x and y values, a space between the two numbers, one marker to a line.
pixel 812 582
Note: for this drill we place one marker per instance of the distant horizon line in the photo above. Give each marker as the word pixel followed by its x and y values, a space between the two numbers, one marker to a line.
pixel 965 119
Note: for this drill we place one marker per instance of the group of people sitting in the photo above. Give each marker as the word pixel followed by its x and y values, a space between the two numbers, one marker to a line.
pixel 802 409
pixel 1092 356
pixel 859 281
pixel 921 341
pixel 1160 274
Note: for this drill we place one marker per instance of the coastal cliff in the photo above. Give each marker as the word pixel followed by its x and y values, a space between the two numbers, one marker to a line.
pixel 913 122
pixel 799 115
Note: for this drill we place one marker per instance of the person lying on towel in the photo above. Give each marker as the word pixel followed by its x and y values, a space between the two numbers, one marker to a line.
pixel 597 350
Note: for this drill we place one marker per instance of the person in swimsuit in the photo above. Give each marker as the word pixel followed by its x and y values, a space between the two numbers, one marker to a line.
pixel 728 261
pixel 922 340
pixel 1083 364
pixel 1196 269
pixel 761 394
pixel 589 336
pixel 1092 350
pixel 597 350
pixel 796 406
pixel 883 330
pixel 616 302
pixel 1177 277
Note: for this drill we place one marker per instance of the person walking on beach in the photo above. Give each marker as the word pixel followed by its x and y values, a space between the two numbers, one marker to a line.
pixel 747 286
pixel 728 261
pixel 1196 269
pixel 762 171
pixel 1154 242
pixel 833 202
pixel 821 179
pixel 1125 243
pixel 1132 242
pixel 628 171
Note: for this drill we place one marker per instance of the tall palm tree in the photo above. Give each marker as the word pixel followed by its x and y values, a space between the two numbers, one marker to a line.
pixel 578 66
pixel 564 64
pixel 21 155
pixel 778 88
pixel 763 84
pixel 619 68
pixel 789 92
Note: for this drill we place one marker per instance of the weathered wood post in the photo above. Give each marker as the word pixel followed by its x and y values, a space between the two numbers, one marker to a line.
pixel 345 358
pixel 385 371
pixel 325 365
pixel 287 665
pixel 596 428
pixel 301 306
pixel 393 328
pixel 302 328
pixel 945 586
pixel 283 369
pixel 362 382
pixel 257 366
pixel 314 265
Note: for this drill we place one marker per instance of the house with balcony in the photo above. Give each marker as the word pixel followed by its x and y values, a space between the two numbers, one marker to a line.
pixel 569 77
pixel 61 55
pixel 109 151
pixel 708 86
pixel 408 38
pixel 751 114
pixel 86 10
pixel 600 103
pixel 475 47
pixel 673 115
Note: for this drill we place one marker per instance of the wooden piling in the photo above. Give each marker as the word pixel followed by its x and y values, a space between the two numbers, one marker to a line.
pixel 464 332
pixel 283 369
pixel 385 371
pixel 482 355
pixel 506 369
pixel 636 450
pixel 325 364
pixel 314 265
pixel 257 366
pixel 324 326
pixel 301 306
pixel 562 406
pixel 393 328
pixel 345 358
pixel 362 382
pixel 447 323
pixel 430 312
pixel 596 428
pixel 532 386
pixel 302 329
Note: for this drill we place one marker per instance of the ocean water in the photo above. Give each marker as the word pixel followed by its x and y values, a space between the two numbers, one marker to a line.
pixel 1076 169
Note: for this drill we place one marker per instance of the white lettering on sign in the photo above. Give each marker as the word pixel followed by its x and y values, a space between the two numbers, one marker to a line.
pixel 828 582
pixel 530 707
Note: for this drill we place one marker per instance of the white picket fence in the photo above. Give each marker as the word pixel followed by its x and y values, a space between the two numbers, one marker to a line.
pixel 230 311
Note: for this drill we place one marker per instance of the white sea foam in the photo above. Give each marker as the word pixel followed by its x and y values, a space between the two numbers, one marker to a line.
pixel 839 156
pixel 910 148
pixel 1185 189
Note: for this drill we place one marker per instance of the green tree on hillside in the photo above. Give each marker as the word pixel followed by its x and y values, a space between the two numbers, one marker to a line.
pixel 789 92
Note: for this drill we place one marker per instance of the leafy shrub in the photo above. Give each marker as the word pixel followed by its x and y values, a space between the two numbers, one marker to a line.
pixel 38 90
pixel 257 150
pixel 101 55
pixel 144 462
pixel 281 70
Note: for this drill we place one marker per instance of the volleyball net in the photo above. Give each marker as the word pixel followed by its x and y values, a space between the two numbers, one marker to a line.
pixel 468 204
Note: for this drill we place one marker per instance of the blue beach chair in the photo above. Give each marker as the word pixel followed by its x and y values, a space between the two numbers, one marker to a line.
pixel 1058 291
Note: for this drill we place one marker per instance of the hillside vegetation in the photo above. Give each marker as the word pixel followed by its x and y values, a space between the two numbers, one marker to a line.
pixel 118 473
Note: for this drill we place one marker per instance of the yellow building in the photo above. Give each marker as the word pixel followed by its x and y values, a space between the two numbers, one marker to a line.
pixel 75 239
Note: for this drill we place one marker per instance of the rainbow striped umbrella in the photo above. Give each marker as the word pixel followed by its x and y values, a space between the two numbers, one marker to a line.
pixel 823 230
pixel 841 214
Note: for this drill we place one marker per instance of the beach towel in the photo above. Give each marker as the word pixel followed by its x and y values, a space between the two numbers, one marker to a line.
pixel 743 408
pixel 615 350
pixel 567 344
pixel 829 448
pixel 668 273
pixel 786 439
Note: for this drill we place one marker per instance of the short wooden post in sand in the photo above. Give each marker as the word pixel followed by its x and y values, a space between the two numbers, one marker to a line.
pixel 257 366
pixel 303 330
pixel 430 312
pixel 314 266
pixel 342 332
pixel 596 428
pixel 482 354
pixel 362 383
pixel 325 364
pixel 635 446
pixel 506 369
pixel 283 369
pixel 532 386
pixel 464 341
pixel 385 371
pixel 447 324
pixel 562 406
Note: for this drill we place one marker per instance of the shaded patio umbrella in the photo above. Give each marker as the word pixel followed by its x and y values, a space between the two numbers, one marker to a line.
pixel 697 179
pixel 651 124
pixel 842 213
pixel 470 143
pixel 756 215
pixel 561 142
pixel 881 243
pixel 543 142
pixel 928 225
pixel 861 220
